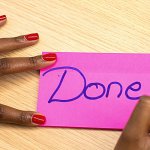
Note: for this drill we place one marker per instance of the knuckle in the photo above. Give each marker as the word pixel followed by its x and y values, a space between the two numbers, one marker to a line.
pixel 18 39
pixel 24 118
pixel 18 42
pixel 33 61
pixel 4 64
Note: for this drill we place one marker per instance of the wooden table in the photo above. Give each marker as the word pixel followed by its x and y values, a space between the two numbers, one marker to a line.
pixel 67 25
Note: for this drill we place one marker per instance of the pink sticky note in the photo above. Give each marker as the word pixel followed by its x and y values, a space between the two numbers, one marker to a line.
pixel 93 90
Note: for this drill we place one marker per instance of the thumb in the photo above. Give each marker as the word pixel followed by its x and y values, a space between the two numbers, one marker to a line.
pixel 15 116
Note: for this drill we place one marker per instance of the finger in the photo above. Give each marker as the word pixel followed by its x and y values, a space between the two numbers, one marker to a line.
pixel 3 20
pixel 15 116
pixel 136 132
pixel 21 64
pixel 139 122
pixel 8 44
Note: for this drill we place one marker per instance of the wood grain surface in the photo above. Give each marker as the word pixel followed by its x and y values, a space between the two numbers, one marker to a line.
pixel 67 25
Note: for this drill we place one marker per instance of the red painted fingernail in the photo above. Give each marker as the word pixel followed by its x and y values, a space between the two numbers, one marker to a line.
pixel 3 17
pixel 31 37
pixel 38 119
pixel 49 56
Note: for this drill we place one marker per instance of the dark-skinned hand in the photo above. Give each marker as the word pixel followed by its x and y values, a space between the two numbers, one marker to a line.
pixel 20 64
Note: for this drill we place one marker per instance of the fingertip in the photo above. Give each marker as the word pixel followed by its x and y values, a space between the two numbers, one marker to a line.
pixel 28 38
pixel 3 20
pixel 49 57
pixel 25 40
pixel 45 60
pixel 38 119
pixel 31 37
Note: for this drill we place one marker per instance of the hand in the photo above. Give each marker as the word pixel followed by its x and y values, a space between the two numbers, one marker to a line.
pixel 136 133
pixel 19 64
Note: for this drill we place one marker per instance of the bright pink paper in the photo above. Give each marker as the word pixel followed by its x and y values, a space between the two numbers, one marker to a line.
pixel 110 112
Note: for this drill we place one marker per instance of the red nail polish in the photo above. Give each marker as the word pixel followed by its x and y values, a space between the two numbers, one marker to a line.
pixel 2 17
pixel 49 56
pixel 31 37
pixel 38 119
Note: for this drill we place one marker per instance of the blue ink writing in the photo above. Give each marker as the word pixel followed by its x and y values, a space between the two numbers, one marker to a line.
pixel 108 88
pixel 96 85
pixel 63 76
pixel 103 91
pixel 61 80
pixel 130 87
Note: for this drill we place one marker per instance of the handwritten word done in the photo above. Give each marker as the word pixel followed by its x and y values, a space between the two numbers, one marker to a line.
pixel 105 90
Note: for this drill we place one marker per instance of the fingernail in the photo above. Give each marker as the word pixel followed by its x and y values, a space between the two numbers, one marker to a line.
pixel 31 37
pixel 49 57
pixel 38 119
pixel 3 17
